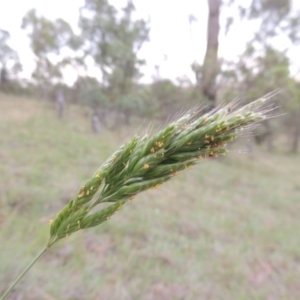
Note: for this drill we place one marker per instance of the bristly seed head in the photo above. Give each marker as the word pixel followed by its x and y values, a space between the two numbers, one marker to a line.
pixel 178 146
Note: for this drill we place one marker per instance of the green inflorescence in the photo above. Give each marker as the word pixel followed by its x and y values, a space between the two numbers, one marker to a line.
pixel 144 163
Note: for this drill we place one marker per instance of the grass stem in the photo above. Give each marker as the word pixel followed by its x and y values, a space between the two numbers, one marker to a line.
pixel 23 273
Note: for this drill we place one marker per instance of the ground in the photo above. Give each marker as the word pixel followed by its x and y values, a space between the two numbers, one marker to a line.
pixel 226 229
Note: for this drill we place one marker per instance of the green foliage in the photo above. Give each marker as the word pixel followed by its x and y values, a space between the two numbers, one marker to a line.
pixel 258 72
pixel 168 96
pixel 6 52
pixel 275 18
pixel 88 91
pixel 112 39
pixel 10 64
pixel 164 98
pixel 263 72
pixel 48 39
pixel 46 36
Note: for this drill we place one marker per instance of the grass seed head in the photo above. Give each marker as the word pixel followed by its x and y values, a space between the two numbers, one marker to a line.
pixel 144 163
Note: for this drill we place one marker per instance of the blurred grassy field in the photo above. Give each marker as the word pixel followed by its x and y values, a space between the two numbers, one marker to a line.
pixel 226 229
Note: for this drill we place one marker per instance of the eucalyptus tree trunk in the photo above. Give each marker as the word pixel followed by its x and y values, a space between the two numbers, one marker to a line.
pixel 296 134
pixel 95 124
pixel 60 99
pixel 210 65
